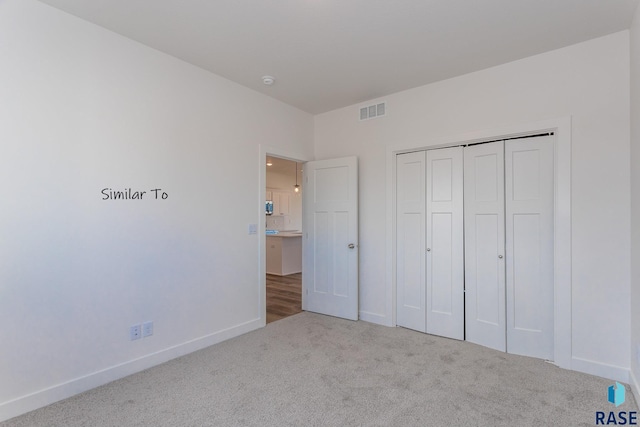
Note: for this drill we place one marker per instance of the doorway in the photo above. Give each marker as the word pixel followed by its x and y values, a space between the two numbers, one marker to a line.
pixel 283 249
pixel 330 238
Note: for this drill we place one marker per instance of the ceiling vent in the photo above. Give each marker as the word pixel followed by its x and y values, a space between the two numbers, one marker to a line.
pixel 373 111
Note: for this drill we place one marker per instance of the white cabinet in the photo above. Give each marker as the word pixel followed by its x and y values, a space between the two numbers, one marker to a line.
pixel 274 255
pixel 284 254
pixel 281 202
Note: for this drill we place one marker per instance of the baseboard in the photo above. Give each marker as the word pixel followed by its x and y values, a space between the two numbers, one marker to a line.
pixel 635 386
pixel 53 394
pixel 378 319
pixel 612 372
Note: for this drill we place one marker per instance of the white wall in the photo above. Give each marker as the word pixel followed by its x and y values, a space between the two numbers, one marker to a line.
pixel 82 109
pixel 588 81
pixel 635 204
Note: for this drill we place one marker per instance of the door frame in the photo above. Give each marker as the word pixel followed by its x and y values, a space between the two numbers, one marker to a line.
pixel 264 151
pixel 561 127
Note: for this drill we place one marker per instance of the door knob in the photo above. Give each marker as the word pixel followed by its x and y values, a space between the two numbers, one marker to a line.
pixel 428 249
pixel 500 256
pixel 351 246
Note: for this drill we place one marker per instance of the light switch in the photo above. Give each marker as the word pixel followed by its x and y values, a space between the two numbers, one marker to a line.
pixel 253 228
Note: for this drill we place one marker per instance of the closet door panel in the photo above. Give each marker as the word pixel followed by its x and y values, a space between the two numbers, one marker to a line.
pixel 439 263
pixel 484 245
pixel 529 246
pixel 488 280
pixel 410 241
pixel 445 243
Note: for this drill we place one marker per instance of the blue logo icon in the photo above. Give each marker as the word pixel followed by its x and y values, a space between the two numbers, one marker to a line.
pixel 616 394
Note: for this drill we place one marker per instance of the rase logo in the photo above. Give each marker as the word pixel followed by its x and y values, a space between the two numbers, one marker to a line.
pixel 616 396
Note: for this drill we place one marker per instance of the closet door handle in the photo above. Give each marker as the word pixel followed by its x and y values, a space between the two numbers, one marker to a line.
pixel 500 256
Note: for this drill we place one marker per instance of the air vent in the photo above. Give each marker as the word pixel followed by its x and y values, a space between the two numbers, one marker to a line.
pixel 373 111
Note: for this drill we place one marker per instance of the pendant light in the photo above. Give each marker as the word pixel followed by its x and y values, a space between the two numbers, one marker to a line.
pixel 296 187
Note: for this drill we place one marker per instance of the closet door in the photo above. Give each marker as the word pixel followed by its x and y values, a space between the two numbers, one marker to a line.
pixel 484 244
pixel 445 243
pixel 529 246
pixel 410 249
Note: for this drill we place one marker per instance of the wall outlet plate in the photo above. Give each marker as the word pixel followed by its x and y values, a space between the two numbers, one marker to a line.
pixel 135 332
pixel 147 329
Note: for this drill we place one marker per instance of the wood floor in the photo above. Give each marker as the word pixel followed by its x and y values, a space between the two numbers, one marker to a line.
pixel 284 296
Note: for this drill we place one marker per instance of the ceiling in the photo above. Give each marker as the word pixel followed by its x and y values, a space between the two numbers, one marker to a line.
pixel 327 54
pixel 283 166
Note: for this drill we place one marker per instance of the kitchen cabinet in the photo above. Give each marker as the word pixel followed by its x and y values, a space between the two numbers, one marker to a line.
pixel 281 202
pixel 284 253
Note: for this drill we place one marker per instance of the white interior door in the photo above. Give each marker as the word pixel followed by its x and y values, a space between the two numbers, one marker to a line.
pixel 330 244
pixel 484 244
pixel 529 246
pixel 410 241
pixel 445 243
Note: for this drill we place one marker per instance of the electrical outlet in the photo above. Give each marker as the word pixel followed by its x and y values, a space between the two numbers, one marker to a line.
pixel 135 332
pixel 147 329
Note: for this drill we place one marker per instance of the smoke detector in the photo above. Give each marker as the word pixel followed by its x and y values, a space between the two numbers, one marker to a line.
pixel 268 80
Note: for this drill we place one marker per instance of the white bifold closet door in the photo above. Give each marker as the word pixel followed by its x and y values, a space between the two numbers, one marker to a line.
pixel 509 245
pixel 445 243
pixel 410 241
pixel 430 251
pixel 529 246
pixel 484 245
pixel 475 244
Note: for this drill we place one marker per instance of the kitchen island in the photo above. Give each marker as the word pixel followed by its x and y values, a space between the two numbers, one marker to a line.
pixel 284 253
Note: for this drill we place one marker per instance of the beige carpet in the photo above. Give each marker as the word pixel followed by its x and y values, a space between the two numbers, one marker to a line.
pixel 313 370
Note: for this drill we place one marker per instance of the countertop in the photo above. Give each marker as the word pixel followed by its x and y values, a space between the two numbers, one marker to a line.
pixel 286 234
